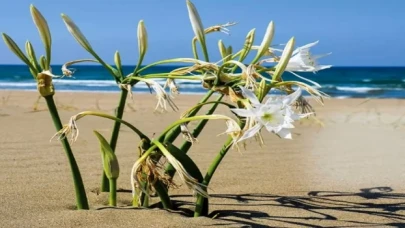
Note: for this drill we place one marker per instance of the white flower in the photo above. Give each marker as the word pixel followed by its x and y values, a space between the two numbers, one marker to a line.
pixel 303 61
pixel 276 115
pixel 161 95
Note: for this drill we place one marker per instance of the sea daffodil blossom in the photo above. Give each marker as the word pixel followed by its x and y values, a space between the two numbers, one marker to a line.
pixel 276 114
pixel 303 61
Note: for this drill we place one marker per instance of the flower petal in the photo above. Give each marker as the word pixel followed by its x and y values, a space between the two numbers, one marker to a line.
pixel 306 46
pixel 284 133
pixel 242 112
pixel 250 132
pixel 250 95
pixel 290 99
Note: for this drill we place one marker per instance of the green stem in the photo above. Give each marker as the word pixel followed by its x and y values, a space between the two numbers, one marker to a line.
pixel 200 203
pixel 112 200
pixel 163 194
pixel 215 163
pixel 172 135
pixel 145 196
pixel 81 198
pixel 170 170
pixel 114 137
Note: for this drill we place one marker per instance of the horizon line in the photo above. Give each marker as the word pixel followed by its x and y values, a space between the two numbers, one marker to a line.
pixel 128 65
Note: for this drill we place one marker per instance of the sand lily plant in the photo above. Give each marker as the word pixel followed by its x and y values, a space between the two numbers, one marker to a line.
pixel 41 71
pixel 251 86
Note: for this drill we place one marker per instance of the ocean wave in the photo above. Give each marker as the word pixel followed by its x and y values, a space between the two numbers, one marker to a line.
pixel 94 83
pixel 358 89
pixel 18 84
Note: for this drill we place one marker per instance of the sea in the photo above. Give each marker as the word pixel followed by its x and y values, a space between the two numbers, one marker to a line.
pixel 337 82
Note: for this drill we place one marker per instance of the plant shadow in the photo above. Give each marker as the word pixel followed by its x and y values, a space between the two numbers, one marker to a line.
pixel 370 207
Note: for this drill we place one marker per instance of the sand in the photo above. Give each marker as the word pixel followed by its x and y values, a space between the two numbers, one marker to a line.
pixel 349 172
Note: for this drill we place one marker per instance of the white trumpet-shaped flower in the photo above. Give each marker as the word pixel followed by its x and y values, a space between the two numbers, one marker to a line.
pixel 276 114
pixel 302 60
pixel 161 95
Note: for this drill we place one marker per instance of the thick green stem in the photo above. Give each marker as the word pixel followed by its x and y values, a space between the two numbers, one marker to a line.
pixel 215 163
pixel 116 131
pixel 200 204
pixel 81 198
pixel 112 200
pixel 163 194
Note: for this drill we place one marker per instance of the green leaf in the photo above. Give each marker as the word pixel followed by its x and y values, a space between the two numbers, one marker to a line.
pixel 110 161
pixel 194 171
pixel 186 161
pixel 44 32
pixel 17 51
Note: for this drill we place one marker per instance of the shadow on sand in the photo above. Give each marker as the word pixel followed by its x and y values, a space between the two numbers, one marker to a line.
pixel 366 208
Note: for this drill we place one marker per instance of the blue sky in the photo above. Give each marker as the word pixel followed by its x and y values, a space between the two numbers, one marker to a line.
pixel 357 32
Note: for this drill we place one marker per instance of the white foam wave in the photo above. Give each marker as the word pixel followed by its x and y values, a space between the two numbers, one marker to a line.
pixel 358 89
pixel 18 84
pixel 90 83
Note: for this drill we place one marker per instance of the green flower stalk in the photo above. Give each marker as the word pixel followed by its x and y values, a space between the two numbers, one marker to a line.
pixel 42 74
pixel 116 73
pixel 110 166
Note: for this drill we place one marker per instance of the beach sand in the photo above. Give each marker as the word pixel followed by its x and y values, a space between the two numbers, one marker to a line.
pixel 349 172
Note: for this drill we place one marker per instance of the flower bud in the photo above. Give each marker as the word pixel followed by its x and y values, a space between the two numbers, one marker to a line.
pixel 44 83
pixel 44 32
